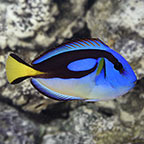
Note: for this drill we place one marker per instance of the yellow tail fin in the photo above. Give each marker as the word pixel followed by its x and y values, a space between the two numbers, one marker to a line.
pixel 17 69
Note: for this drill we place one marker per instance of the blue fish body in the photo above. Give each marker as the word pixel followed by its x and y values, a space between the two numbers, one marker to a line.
pixel 108 84
pixel 82 70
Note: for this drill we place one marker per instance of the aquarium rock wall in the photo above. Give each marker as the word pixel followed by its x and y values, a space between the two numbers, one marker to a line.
pixel 30 27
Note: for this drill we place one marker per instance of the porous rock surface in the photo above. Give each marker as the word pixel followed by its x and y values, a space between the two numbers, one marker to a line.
pixel 28 27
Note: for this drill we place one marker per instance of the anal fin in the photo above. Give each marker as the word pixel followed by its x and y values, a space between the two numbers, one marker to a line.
pixel 36 82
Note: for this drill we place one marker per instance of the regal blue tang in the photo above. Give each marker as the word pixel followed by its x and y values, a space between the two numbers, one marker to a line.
pixel 85 69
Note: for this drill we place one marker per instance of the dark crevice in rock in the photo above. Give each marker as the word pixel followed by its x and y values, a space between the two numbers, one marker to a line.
pixel 7 49
pixel 9 1
pixel 59 110
pixel 62 4
pixel 89 4
pixel 65 16
pixel 28 39
pixel 8 102
pixel 140 82
pixel 106 111
pixel 51 30
pixel 81 34
pixel 38 137
pixel 25 15
pixel 64 9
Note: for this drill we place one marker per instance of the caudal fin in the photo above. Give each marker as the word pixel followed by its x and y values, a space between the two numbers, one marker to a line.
pixel 17 70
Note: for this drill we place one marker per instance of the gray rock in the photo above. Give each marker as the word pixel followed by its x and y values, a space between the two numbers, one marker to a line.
pixel 22 21
pixel 129 16
pixel 15 128
pixel 97 16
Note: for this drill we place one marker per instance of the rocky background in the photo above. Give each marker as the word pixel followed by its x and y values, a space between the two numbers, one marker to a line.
pixel 29 27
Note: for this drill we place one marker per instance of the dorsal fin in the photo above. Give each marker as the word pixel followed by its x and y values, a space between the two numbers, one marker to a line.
pixel 70 46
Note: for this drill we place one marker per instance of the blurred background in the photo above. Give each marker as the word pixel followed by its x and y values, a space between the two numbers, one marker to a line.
pixel 28 28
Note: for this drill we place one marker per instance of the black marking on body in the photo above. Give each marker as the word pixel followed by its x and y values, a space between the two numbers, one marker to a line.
pixel 56 66
pixel 118 66
pixel 104 67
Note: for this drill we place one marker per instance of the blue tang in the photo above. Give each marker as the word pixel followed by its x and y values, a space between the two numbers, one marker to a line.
pixel 85 69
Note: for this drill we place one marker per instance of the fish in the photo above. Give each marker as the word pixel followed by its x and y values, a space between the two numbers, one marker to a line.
pixel 84 69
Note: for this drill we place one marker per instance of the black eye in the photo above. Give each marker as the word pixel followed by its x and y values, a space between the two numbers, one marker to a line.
pixel 118 66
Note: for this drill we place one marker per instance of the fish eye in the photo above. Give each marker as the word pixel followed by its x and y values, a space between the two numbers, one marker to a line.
pixel 118 66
